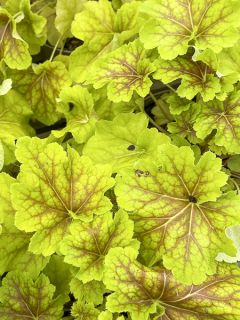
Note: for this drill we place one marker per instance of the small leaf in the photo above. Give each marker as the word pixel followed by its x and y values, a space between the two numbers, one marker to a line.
pixel 54 189
pixel 224 118
pixel 232 233
pixel 13 50
pixel 22 297
pixel 88 243
pixel 41 86
pixel 124 71
pixel 82 311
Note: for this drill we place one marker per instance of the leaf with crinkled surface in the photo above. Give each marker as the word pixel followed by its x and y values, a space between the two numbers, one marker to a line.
pixel 90 292
pixel 197 77
pixel 179 211
pixel 65 13
pixel 232 233
pixel 177 104
pixel 81 119
pixel 224 118
pixel 88 243
pixel 14 122
pixel 184 122
pixel 54 188
pixel 13 49
pixel 124 71
pixel 84 311
pixel 123 141
pixel 141 291
pixel 22 297
pixel 175 24
pixel 13 242
pixel 102 31
pixel 41 87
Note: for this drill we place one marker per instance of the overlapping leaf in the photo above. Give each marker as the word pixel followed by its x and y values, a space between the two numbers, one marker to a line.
pixel 125 71
pixel 41 87
pixel 84 311
pixel 224 118
pixel 123 141
pixel 102 31
pixel 88 243
pixel 13 242
pixel 197 77
pixel 22 297
pixel 233 233
pixel 53 189
pixel 82 118
pixel 179 211
pixel 143 291
pixel 175 24
pixel 13 49
pixel 14 122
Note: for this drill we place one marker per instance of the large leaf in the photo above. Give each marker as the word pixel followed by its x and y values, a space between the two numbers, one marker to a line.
pixel 178 210
pixel 22 297
pixel 88 243
pixel 124 71
pixel 143 291
pixel 102 31
pixel 229 61
pixel 224 118
pixel 14 122
pixel 54 189
pixel 174 24
pixel 13 49
pixel 197 77
pixel 81 119
pixel 13 242
pixel 123 141
pixel 41 87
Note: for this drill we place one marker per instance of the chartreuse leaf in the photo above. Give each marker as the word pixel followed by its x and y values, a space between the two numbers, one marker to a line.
pixel 13 242
pixel 124 140
pixel 90 292
pixel 124 71
pixel 232 233
pixel 13 49
pixel 183 125
pixel 32 28
pixel 179 211
pixel 1 156
pixel 224 118
pixel 197 77
pixel 84 311
pixel 88 243
pixel 54 188
pixel 102 31
pixel 81 119
pixel 229 61
pixel 55 270
pixel 65 13
pixel 22 297
pixel 41 87
pixel 143 291
pixel 14 122
pixel 174 25
pixel 5 86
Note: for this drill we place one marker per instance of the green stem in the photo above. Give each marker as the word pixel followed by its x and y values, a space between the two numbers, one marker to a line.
pixel 158 104
pixel 170 87
pixel 236 185
pixel 153 122
pixel 55 48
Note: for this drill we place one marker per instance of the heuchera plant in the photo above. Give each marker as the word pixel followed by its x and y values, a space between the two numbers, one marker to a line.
pixel 120 160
